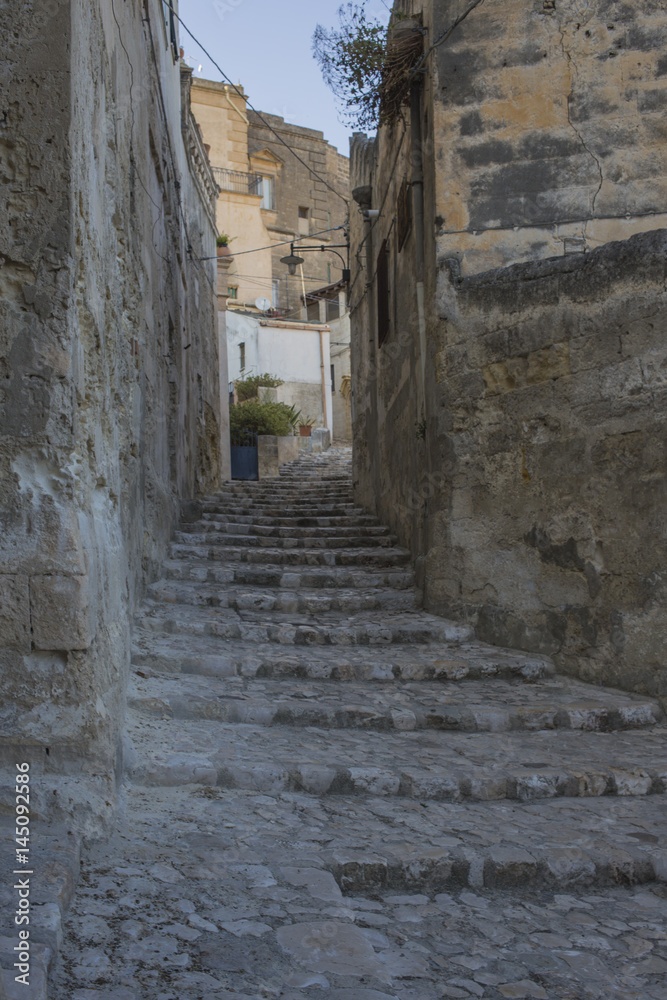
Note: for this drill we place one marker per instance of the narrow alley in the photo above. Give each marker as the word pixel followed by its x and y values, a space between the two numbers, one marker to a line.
pixel 333 793
pixel 333 563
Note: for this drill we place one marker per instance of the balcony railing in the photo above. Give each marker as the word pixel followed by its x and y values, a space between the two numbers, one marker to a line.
pixel 238 181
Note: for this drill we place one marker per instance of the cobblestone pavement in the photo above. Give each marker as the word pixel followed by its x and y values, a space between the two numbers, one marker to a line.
pixel 332 794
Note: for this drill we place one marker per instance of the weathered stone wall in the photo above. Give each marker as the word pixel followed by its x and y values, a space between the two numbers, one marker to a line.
pixel 109 394
pixel 513 437
pixel 551 442
pixel 549 126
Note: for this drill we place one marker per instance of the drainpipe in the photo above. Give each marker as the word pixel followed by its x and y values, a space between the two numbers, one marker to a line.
pixel 324 381
pixel 418 214
pixel 304 308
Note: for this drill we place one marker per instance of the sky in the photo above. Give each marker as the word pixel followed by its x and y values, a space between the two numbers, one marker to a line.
pixel 266 45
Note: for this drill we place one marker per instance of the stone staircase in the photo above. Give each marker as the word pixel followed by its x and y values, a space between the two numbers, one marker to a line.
pixel 321 776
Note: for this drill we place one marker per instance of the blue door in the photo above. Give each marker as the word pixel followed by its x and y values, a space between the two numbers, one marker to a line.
pixel 245 463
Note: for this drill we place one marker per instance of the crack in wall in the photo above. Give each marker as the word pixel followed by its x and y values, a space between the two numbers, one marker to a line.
pixel 577 132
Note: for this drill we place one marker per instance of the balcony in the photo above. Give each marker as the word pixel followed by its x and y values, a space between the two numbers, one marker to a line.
pixel 238 181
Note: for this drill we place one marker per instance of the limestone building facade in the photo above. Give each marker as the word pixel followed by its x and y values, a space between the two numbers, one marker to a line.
pixel 508 317
pixel 109 377
pixel 268 197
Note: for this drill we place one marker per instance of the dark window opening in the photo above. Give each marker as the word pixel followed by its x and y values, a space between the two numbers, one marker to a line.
pixel 404 213
pixel 383 293
pixel 333 378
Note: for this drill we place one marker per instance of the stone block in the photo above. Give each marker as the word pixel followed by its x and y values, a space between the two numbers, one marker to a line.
pixel 267 456
pixel 507 866
pixel 60 612
pixel 15 613
pixel 191 511
pixel 320 439
pixel 288 449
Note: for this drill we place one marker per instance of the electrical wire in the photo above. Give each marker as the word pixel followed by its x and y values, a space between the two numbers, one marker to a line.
pixel 283 243
pixel 258 113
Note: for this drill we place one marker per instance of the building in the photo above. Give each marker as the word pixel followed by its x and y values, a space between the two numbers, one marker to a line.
pixel 110 401
pixel 268 197
pixel 507 307
pixel 298 353
pixel 312 209
pixel 329 305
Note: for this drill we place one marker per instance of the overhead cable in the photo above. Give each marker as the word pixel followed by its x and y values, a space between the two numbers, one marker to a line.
pixel 258 113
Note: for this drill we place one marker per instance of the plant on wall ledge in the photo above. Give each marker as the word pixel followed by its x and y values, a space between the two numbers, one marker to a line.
pixel 306 425
pixel 367 64
pixel 262 418
pixel 247 388
pixel 351 59
pixel 222 242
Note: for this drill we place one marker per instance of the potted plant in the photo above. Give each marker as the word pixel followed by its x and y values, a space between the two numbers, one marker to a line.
pixel 222 245
pixel 306 426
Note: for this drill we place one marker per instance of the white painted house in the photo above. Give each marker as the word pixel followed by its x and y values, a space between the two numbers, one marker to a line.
pixel 298 353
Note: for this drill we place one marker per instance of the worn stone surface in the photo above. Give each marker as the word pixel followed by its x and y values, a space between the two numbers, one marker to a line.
pixel 294 826
pixel 109 402
pixel 542 147
pixel 513 435
pixel 554 542
pixel 54 870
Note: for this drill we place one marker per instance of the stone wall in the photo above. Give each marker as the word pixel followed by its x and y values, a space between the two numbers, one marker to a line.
pixel 550 443
pixel 109 394
pixel 508 432
pixel 549 126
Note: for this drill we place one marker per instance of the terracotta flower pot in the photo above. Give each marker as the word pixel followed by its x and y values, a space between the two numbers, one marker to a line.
pixel 305 432
pixel 223 251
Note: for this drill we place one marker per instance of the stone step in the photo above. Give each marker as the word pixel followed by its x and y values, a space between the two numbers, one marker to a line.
pixel 441 662
pixel 373 845
pixel 274 492
pixel 244 881
pixel 310 541
pixel 425 766
pixel 489 706
pixel 307 602
pixel 374 557
pixel 293 578
pixel 355 532
pixel 284 628
pixel 293 522
pixel 274 509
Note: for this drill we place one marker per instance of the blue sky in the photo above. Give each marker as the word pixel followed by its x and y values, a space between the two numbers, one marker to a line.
pixel 267 46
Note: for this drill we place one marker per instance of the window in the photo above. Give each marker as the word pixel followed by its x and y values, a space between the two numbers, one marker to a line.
pixel 232 291
pixel 333 378
pixel 383 293
pixel 242 356
pixel 304 221
pixel 275 283
pixel 170 24
pixel 267 189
